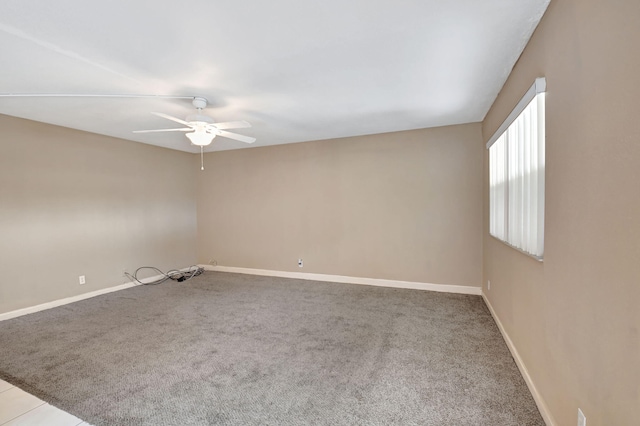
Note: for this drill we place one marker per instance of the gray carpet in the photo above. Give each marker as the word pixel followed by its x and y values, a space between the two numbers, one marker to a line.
pixel 234 349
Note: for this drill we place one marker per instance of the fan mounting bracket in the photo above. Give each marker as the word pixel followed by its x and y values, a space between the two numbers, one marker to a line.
pixel 199 102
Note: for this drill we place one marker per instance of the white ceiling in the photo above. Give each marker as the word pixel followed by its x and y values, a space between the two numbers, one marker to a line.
pixel 297 70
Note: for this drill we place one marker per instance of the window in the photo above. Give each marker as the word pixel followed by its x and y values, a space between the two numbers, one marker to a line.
pixel 516 175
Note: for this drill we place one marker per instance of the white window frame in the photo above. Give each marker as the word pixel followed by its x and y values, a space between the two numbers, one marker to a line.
pixel 516 175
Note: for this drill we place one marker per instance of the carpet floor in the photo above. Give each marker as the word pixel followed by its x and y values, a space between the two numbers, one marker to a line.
pixel 232 349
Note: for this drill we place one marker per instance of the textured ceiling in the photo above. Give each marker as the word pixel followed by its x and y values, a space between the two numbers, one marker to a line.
pixel 297 71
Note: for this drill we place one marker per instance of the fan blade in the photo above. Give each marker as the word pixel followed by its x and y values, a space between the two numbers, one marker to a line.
pixel 168 117
pixel 241 138
pixel 231 125
pixel 186 129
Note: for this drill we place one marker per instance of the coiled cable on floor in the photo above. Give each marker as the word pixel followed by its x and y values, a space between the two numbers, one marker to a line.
pixel 173 274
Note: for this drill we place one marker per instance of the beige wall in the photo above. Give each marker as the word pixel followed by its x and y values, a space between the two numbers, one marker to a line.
pixel 403 206
pixel 575 318
pixel 75 203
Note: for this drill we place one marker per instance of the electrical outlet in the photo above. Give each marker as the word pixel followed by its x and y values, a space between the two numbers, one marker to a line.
pixel 81 279
pixel 582 420
pixel 488 284
pixel 213 262
pixel 300 264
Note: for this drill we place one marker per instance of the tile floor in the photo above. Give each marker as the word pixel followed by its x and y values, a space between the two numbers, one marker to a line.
pixel 20 408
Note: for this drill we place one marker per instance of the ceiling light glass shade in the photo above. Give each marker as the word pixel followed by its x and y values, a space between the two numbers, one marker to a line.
pixel 200 138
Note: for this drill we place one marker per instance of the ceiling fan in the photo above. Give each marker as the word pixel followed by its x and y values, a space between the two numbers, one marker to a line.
pixel 202 129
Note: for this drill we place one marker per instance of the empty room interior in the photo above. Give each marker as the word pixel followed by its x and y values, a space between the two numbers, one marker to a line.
pixel 308 193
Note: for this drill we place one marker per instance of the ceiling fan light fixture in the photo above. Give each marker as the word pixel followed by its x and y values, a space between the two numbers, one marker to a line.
pixel 200 137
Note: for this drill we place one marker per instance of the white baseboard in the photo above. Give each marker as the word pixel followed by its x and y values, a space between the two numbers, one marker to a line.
pixel 542 406
pixel 65 301
pixel 300 275
pixel 445 288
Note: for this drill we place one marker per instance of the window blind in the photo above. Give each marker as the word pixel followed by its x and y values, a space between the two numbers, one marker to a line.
pixel 517 173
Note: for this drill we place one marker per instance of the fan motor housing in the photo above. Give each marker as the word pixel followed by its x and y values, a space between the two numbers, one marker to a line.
pixel 199 117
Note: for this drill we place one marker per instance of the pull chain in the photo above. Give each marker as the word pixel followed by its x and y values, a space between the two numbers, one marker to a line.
pixel 201 158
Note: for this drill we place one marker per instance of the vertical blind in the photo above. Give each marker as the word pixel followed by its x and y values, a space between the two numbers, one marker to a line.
pixel 516 177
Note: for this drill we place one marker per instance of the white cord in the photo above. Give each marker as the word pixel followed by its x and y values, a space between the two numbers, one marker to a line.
pixel 88 95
